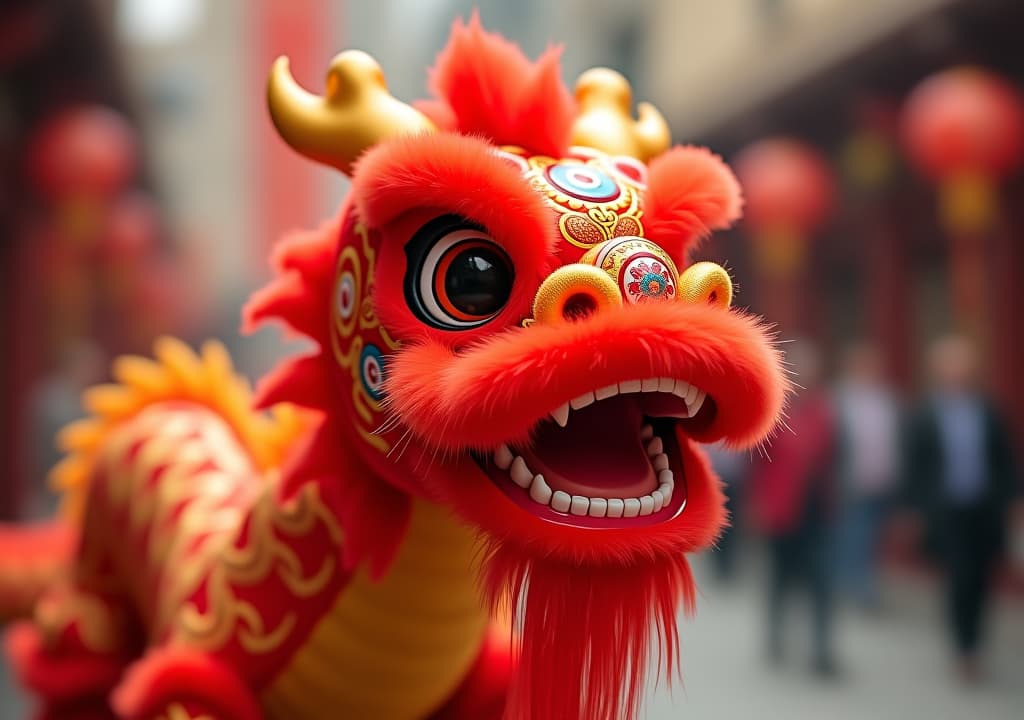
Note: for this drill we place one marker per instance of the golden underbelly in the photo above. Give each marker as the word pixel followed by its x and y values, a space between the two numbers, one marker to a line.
pixel 396 648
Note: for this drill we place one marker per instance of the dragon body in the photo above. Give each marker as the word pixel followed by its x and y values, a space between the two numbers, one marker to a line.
pixel 474 497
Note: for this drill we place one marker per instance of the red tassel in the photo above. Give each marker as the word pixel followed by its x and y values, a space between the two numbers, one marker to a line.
pixel 587 633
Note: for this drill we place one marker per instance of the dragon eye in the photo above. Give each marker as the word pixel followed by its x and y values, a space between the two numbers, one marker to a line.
pixel 459 277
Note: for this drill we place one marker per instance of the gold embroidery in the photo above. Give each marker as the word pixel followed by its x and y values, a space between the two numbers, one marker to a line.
pixel 353 317
pixel 263 554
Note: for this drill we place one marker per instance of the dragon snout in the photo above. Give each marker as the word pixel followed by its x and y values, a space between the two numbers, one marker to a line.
pixel 626 271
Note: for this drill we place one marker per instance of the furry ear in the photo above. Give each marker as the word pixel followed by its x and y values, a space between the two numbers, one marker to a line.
pixel 690 192
pixel 486 86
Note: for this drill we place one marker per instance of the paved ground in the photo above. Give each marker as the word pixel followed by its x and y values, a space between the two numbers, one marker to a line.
pixel 894 666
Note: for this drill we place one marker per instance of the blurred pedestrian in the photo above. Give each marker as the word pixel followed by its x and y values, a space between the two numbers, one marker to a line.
pixel 792 502
pixel 732 467
pixel 867 465
pixel 960 476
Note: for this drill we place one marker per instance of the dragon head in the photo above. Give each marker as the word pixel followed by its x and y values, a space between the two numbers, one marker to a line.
pixel 508 324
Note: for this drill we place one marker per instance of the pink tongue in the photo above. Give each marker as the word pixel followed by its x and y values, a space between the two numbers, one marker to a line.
pixel 598 454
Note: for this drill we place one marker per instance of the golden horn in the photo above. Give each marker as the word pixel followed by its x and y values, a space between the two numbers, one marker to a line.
pixel 354 114
pixel 606 122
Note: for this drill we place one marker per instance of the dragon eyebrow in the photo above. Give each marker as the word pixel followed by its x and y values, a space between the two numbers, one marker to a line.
pixel 453 174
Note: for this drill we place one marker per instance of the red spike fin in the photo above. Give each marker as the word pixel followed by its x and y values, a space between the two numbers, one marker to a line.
pixel 302 381
pixel 291 299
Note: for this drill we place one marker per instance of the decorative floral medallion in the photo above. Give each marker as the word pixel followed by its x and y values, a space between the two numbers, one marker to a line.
pixel 597 195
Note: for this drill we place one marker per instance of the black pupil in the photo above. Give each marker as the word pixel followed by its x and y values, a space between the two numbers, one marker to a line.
pixel 478 281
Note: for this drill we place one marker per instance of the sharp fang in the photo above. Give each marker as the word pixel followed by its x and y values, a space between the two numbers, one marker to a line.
pixel 631 508
pixel 606 392
pixel 646 432
pixel 691 394
pixel 666 492
pixel 665 477
pixel 694 407
pixel 659 500
pixel 582 401
pixel 598 507
pixel 649 385
pixel 615 507
pixel 561 415
pixel 682 387
pixel 520 474
pixel 646 505
pixel 539 490
pixel 503 457
pixel 561 501
pixel 666 384
pixel 630 386
pixel 580 505
pixel 660 462
pixel 655 447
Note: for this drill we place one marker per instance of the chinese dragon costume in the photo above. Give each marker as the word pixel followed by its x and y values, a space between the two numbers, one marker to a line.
pixel 475 497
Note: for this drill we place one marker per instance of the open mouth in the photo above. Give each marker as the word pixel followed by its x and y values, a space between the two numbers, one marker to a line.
pixel 610 458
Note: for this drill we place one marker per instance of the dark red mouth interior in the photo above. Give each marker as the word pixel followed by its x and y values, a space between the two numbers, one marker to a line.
pixel 602 452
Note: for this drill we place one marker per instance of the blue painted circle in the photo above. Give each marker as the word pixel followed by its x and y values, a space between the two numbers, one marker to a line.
pixel 371 371
pixel 585 182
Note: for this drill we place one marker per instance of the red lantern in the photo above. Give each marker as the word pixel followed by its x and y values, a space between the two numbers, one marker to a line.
pixel 84 154
pixel 964 129
pixel 788 191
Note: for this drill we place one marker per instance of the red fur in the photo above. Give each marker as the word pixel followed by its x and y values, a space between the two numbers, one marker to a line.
pixel 486 86
pixel 690 192
pixel 588 631
pixel 172 674
pixel 499 389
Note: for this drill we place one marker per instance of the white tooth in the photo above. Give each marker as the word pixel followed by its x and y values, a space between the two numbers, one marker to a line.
pixel 660 461
pixel 520 474
pixel 580 505
pixel 539 490
pixel 630 386
pixel 691 394
pixel 665 477
pixel 649 385
pixel 666 492
pixel 631 508
pixel 582 401
pixel 598 507
pixel 503 457
pixel 694 407
pixel 666 384
pixel 655 447
pixel 659 500
pixel 682 387
pixel 606 392
pixel 561 501
pixel 561 415
pixel 646 505
pixel 615 507
pixel 646 432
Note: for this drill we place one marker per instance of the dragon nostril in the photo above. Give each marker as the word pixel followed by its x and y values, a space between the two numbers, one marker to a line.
pixel 579 306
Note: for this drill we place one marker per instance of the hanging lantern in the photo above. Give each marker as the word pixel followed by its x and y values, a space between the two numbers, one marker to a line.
pixel 86 153
pixel 964 129
pixel 788 191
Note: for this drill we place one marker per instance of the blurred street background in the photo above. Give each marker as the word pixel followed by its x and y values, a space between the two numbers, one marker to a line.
pixel 876 563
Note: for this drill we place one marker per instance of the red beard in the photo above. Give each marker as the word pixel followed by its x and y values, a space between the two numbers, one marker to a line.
pixel 587 633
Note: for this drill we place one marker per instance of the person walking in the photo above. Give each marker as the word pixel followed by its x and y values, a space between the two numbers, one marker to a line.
pixel 960 477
